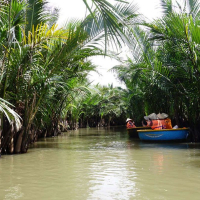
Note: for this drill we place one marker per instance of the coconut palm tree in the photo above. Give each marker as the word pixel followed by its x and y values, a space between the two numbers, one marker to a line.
pixel 39 61
pixel 165 64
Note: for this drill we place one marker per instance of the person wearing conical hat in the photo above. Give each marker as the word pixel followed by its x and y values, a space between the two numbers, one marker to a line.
pixel 153 121
pixel 152 116
pixel 165 120
pixel 130 123
pixel 149 119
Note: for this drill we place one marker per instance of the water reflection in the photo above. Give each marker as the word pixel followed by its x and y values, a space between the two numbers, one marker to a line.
pixel 111 178
pixel 158 162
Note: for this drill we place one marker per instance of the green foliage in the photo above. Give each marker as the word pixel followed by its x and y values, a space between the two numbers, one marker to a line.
pixel 164 71
pixel 44 68
pixel 99 103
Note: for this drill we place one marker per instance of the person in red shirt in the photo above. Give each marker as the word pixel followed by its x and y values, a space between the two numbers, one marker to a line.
pixel 130 123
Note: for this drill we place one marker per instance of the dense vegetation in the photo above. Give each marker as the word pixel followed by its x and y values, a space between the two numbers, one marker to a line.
pixel 163 73
pixel 44 68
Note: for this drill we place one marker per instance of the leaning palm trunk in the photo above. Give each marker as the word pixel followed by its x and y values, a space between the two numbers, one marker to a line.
pixel 19 141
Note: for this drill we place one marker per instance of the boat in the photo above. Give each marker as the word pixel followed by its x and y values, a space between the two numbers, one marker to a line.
pixel 164 134
pixel 133 132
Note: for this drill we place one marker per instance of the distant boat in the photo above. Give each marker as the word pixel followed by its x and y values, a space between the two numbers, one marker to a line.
pixel 133 132
pixel 164 134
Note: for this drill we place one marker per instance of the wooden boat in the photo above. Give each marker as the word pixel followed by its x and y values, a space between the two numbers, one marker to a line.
pixel 132 132
pixel 164 134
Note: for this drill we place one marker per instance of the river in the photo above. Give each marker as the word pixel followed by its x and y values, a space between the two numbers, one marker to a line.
pixel 101 164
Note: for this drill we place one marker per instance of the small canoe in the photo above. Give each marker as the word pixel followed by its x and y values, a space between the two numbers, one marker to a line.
pixel 164 134
pixel 132 132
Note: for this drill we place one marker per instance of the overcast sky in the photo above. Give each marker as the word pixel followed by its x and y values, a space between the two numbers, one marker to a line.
pixel 76 9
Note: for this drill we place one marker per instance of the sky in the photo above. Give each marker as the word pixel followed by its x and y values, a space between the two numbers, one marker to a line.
pixel 76 9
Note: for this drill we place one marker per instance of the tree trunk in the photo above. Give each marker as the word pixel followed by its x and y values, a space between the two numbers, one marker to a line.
pixel 11 140
pixel 176 111
pixel 19 141
pixel 6 137
pixel 109 119
pixel 0 136
pixel 31 136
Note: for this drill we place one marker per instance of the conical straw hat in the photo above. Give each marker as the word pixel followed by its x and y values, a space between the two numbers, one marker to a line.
pixel 162 115
pixel 146 118
pixel 151 116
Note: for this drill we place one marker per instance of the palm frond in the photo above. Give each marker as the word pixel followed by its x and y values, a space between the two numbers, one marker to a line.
pixel 10 114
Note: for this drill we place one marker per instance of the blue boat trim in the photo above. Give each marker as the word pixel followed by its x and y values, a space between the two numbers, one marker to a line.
pixel 164 134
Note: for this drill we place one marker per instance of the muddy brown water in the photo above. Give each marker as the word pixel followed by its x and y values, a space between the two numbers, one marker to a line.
pixel 101 164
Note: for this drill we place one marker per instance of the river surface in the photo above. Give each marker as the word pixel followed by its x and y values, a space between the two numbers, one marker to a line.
pixel 101 164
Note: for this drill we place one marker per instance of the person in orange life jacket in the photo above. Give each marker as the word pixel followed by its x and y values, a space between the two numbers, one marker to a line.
pixel 156 124
pixel 130 123
pixel 166 122
pixel 147 122
pixel 153 121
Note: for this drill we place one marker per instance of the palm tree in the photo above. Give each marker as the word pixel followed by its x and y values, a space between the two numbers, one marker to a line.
pixel 38 62
pixel 165 64
pixel 179 34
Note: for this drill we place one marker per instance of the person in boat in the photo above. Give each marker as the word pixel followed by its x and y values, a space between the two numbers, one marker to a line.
pixel 153 121
pixel 130 123
pixel 165 120
pixel 147 121
pixel 144 123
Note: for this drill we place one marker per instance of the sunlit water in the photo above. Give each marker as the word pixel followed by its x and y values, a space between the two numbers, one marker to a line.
pixel 101 164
